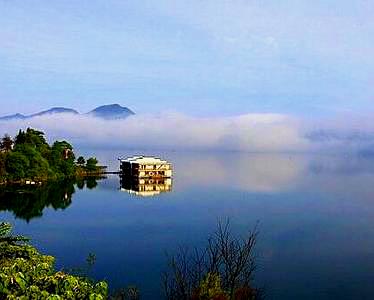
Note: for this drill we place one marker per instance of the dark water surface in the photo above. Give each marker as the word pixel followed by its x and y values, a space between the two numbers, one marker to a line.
pixel 315 213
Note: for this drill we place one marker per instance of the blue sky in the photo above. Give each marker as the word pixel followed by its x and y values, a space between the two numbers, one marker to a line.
pixel 203 58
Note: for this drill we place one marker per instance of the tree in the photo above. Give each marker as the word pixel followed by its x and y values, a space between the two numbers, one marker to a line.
pixel 6 143
pixel 16 165
pixel 33 157
pixel 2 166
pixel 38 165
pixel 20 138
pixel 81 161
pixel 62 158
pixel 36 138
pixel 223 269
pixel 91 164
pixel 33 138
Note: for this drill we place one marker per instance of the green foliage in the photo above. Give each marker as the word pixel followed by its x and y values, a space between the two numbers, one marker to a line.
pixel 33 158
pixel 32 138
pixel 17 165
pixel 38 166
pixel 27 274
pixel 6 143
pixel 7 237
pixel 210 289
pixel 81 161
pixel 20 138
pixel 62 158
pixel 91 164
pixel 2 166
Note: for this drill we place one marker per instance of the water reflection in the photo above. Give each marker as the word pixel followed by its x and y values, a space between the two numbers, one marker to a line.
pixel 145 187
pixel 257 173
pixel 316 217
pixel 88 182
pixel 29 201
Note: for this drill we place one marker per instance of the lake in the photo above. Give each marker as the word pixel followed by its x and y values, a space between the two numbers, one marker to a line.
pixel 315 216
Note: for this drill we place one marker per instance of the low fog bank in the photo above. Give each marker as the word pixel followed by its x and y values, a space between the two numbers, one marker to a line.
pixel 172 131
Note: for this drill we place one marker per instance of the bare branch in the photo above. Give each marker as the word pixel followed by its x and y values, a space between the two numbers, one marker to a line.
pixel 231 258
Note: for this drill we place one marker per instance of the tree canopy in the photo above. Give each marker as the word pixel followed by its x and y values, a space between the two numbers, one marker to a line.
pixel 91 164
pixel 29 156
pixel 81 161
pixel 6 143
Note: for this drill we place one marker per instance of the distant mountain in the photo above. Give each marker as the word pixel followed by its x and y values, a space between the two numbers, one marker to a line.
pixel 55 110
pixel 107 112
pixel 13 117
pixel 112 111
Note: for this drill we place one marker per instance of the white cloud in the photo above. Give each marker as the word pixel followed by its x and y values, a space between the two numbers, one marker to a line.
pixel 251 132
pixel 174 131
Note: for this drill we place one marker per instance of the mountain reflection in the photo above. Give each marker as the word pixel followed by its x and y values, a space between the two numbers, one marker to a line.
pixel 145 187
pixel 28 202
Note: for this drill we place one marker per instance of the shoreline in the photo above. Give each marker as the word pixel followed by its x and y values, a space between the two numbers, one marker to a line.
pixel 41 181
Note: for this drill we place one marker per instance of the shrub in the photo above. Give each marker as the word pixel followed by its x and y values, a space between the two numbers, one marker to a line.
pixel 210 289
pixel 27 274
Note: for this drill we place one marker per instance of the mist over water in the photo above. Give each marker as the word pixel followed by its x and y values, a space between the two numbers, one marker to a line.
pixel 270 133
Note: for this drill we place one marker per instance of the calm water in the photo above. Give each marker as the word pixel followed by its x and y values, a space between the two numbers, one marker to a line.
pixel 315 213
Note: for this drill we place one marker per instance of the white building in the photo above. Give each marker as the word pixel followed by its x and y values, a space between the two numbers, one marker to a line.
pixel 145 167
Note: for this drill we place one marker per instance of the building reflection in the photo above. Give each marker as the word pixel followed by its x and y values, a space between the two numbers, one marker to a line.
pixel 145 175
pixel 146 187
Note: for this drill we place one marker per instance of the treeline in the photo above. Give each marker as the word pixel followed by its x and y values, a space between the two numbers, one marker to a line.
pixel 29 156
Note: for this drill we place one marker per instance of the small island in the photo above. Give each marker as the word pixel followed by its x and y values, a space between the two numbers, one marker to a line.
pixel 29 159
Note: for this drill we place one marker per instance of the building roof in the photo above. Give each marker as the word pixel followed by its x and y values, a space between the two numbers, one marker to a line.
pixel 144 160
